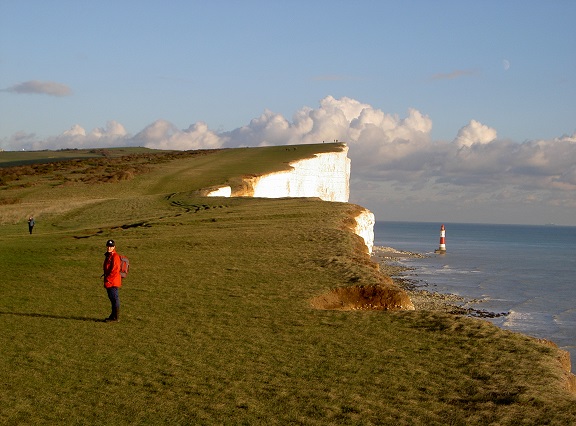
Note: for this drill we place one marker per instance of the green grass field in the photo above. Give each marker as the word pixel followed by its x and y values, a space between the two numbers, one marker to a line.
pixel 216 321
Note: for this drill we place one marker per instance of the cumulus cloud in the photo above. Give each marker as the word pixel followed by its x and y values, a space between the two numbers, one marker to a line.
pixel 475 132
pixel 164 135
pixel 114 134
pixel 342 119
pixel 387 150
pixel 391 154
pixel 50 88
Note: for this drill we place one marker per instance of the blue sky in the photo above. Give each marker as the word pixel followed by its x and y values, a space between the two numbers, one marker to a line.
pixel 469 111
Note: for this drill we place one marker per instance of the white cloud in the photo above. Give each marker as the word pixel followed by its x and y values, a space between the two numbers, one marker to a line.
pixel 113 130
pixel 18 141
pixel 75 131
pixel 342 119
pixel 475 132
pixel 50 88
pixel 164 135
pixel 112 135
pixel 392 156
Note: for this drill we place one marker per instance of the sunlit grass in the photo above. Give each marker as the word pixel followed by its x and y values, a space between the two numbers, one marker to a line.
pixel 216 322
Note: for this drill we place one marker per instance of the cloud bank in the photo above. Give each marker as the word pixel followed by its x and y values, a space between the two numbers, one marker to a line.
pixel 50 88
pixel 387 151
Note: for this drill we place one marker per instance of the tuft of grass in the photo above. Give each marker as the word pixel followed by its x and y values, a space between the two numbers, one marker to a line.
pixel 217 326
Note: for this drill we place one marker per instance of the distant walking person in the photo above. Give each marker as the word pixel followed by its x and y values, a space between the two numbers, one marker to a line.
pixel 112 279
pixel 31 224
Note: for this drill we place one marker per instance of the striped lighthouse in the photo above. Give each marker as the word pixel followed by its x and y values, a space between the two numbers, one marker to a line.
pixel 442 248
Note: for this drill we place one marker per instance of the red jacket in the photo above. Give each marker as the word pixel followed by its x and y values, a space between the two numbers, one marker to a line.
pixel 112 276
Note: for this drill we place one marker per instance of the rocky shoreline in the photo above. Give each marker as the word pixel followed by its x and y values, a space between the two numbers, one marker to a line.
pixel 388 259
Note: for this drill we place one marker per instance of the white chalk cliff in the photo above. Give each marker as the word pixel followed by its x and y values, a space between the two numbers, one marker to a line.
pixel 325 176
pixel 365 228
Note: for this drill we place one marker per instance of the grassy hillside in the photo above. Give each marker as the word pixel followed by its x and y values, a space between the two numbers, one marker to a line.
pixel 216 322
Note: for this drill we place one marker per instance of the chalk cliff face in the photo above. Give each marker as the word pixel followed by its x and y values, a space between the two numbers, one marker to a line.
pixel 365 228
pixel 325 176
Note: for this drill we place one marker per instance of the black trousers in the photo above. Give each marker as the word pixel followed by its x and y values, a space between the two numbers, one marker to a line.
pixel 114 301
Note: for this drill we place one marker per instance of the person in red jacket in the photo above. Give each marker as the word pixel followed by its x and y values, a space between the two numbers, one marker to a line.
pixel 112 279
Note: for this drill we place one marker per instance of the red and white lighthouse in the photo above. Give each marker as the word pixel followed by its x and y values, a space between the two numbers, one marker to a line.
pixel 442 248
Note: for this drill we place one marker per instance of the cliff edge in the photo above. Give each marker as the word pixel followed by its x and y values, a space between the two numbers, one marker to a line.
pixel 325 176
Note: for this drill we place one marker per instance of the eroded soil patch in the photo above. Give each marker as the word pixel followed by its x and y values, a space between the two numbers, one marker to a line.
pixel 370 297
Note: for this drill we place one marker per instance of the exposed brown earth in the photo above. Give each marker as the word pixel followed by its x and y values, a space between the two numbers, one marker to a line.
pixel 370 297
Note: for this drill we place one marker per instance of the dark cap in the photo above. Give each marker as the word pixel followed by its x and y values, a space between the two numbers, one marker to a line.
pixel 110 243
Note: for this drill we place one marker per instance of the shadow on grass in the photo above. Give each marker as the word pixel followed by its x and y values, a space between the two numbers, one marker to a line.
pixel 33 315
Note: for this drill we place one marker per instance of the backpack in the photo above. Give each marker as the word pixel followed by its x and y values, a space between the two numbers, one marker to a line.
pixel 124 265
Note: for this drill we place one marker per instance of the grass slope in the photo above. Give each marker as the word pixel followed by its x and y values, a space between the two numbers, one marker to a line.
pixel 216 325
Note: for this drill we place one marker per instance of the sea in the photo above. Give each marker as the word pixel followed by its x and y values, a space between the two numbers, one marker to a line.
pixel 526 272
